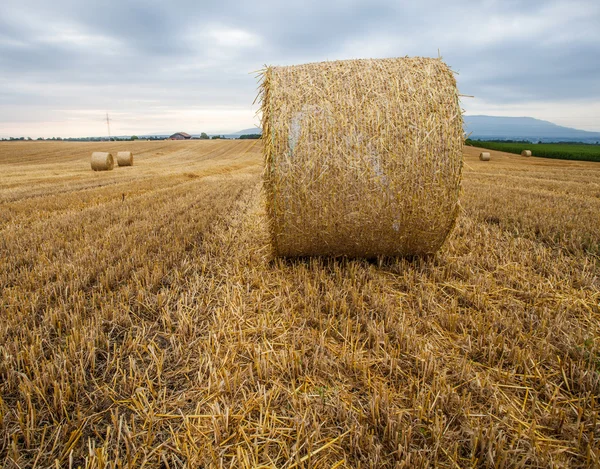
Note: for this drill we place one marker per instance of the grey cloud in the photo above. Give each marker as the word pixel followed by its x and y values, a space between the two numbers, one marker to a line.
pixel 116 53
pixel 527 72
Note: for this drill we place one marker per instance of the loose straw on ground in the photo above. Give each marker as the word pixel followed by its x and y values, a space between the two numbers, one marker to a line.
pixel 363 157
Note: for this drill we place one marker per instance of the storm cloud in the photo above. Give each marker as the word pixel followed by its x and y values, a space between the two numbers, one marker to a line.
pixel 160 66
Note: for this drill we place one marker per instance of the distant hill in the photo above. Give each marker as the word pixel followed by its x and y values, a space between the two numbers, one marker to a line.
pixel 491 128
pixel 252 131
pixel 505 128
pixel 524 128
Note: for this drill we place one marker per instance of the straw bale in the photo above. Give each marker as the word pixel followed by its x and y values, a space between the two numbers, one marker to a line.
pixel 362 157
pixel 484 156
pixel 102 161
pixel 526 153
pixel 125 158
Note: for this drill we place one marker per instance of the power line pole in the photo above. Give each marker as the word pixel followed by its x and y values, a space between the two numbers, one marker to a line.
pixel 108 126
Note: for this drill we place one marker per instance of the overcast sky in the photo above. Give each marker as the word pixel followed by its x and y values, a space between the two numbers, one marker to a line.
pixel 187 65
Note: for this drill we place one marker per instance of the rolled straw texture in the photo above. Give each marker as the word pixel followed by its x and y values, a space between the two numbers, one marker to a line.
pixel 362 157
pixel 484 156
pixel 102 161
pixel 125 158
pixel 526 153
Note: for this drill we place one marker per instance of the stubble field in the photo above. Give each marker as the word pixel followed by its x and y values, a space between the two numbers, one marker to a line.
pixel 144 322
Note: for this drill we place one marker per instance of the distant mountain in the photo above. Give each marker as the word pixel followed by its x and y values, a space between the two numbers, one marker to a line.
pixel 524 128
pixel 488 127
pixel 252 131
pixel 505 128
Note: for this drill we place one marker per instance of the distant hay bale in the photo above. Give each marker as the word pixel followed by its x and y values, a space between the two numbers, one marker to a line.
pixel 125 158
pixel 484 156
pixel 102 161
pixel 363 157
pixel 526 153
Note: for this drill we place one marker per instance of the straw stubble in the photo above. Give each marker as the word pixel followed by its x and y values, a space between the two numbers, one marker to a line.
pixel 363 157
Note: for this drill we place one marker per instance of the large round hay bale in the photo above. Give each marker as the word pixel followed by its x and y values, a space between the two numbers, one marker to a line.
pixel 526 153
pixel 125 158
pixel 484 156
pixel 363 157
pixel 102 161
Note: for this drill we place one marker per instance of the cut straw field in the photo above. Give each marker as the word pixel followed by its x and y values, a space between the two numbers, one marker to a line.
pixel 145 323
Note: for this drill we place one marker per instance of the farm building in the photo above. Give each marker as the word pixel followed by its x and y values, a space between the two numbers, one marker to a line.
pixel 180 136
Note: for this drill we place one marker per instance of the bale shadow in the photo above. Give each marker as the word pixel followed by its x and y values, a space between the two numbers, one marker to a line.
pixel 384 263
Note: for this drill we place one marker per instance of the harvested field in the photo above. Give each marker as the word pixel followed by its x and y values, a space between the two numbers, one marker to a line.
pixel 145 322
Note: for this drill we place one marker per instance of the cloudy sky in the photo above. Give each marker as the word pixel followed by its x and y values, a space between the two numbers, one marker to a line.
pixel 160 66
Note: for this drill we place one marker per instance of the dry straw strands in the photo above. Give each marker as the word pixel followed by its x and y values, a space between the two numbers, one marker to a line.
pixel 484 156
pixel 102 161
pixel 363 157
pixel 125 158
pixel 526 153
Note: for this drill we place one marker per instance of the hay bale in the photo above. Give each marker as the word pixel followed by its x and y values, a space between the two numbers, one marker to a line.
pixel 102 161
pixel 125 158
pixel 526 153
pixel 363 157
pixel 484 156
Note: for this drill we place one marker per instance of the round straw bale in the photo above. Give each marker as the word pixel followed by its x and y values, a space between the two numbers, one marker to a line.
pixel 363 157
pixel 484 156
pixel 102 161
pixel 125 158
pixel 526 153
